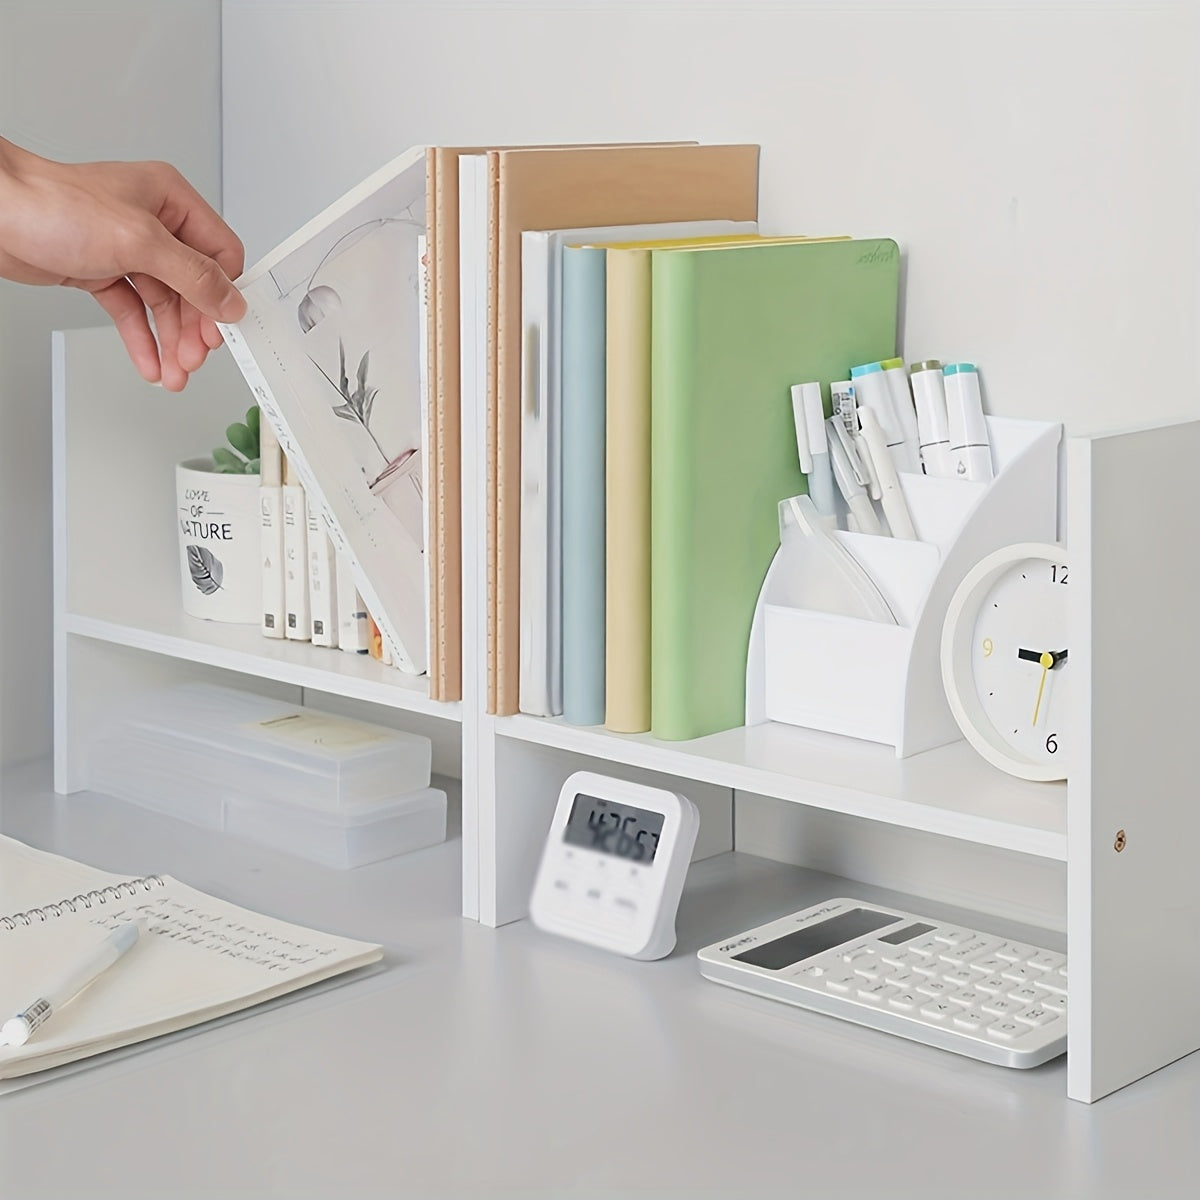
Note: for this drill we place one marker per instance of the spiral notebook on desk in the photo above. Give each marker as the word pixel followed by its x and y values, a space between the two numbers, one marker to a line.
pixel 201 958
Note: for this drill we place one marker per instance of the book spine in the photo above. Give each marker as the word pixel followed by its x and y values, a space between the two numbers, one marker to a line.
pixel 428 365
pixel 433 622
pixel 496 699
pixel 298 621
pixel 444 484
pixel 538 657
pixel 322 582
pixel 583 467
pixel 274 610
pixel 673 385
pixel 627 493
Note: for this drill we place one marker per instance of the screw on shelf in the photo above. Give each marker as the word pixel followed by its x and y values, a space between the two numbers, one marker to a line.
pixel 1119 843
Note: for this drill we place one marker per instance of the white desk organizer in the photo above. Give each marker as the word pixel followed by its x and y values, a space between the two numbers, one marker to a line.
pixel 883 682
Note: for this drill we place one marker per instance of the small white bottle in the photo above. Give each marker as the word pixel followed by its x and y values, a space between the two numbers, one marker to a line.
pixel 970 449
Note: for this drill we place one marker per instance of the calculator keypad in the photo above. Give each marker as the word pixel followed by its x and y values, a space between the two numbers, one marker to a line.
pixel 955 979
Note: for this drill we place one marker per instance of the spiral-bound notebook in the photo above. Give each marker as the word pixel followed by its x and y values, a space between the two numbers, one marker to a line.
pixel 202 957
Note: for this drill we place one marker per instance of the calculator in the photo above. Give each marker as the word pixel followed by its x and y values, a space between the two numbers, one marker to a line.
pixel 991 998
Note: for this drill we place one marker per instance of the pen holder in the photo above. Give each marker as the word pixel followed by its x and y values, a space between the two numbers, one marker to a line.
pixel 882 682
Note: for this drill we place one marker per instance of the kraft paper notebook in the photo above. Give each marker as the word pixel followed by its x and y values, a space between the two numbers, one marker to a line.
pixel 542 540
pixel 445 430
pixel 560 189
pixel 733 327
pixel 330 347
pixel 199 958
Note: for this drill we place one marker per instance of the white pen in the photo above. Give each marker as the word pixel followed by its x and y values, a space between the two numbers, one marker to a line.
pixel 970 450
pixel 17 1030
pixel 812 446
pixel 892 498
pixel 850 484
pixel 845 407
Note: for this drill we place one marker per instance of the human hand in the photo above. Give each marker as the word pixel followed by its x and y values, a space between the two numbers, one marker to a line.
pixel 137 236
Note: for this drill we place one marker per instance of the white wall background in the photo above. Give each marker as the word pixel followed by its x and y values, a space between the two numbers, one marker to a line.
pixel 78 80
pixel 1036 159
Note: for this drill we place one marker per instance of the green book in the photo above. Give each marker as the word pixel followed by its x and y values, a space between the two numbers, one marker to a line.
pixel 732 328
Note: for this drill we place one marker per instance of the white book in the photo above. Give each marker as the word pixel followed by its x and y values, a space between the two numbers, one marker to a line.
pixel 540 680
pixel 329 346
pixel 423 393
pixel 322 582
pixel 297 610
pixel 274 609
pixel 354 630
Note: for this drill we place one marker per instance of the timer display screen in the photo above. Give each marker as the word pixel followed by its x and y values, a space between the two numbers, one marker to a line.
pixel 611 828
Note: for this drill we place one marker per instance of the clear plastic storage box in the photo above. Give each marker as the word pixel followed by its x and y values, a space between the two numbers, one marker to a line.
pixel 328 788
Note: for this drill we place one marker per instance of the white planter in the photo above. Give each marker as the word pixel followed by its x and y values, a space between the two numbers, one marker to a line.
pixel 219 543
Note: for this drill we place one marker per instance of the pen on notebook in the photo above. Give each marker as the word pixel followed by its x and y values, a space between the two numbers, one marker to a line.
pixel 17 1030
pixel 892 498
pixel 812 446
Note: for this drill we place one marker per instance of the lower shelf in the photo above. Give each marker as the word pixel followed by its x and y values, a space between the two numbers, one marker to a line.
pixel 949 791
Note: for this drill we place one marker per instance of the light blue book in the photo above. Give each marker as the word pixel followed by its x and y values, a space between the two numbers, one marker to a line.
pixel 583 384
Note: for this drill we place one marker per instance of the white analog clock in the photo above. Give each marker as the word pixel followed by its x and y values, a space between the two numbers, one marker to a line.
pixel 1005 661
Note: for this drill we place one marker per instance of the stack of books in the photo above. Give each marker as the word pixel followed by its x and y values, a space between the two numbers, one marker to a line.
pixel 611 326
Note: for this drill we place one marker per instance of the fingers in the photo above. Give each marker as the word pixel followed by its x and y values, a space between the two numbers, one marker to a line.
pixel 186 214
pixel 200 280
pixel 128 314
pixel 164 305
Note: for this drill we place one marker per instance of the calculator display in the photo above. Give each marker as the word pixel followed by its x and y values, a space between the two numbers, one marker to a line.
pixel 621 830
pixel 814 938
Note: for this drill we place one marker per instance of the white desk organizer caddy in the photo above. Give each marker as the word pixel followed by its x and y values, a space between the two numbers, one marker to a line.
pixel 882 682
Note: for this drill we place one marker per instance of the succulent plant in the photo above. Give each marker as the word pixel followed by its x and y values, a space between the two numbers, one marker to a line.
pixel 243 458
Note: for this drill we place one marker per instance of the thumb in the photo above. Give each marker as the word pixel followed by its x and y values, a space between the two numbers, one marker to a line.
pixel 200 280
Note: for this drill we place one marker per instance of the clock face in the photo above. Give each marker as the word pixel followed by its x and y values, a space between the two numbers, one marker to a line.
pixel 1006 661
pixel 1019 661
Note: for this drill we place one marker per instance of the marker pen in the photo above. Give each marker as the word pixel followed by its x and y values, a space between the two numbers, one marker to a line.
pixel 930 398
pixel 872 392
pixel 849 484
pixel 845 406
pixel 970 452
pixel 903 411
pixel 812 445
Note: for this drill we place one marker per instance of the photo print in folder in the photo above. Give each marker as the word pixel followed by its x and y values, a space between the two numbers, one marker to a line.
pixel 330 346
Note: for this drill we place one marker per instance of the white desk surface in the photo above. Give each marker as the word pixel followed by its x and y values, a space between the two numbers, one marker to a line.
pixel 487 1062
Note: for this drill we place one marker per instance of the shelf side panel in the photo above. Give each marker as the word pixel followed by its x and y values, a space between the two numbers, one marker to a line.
pixel 1134 553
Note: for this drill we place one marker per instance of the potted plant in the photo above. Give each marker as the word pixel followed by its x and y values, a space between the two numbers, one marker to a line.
pixel 219 528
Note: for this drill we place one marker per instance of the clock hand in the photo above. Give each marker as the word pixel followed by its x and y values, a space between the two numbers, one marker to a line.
pixel 1059 656
pixel 1047 661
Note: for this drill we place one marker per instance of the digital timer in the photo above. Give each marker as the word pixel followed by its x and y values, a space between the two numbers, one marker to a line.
pixel 614 863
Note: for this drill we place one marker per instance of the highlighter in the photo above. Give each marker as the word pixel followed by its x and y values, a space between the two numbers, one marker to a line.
pixel 970 451
pixel 929 395
pixel 903 411
pixel 872 392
